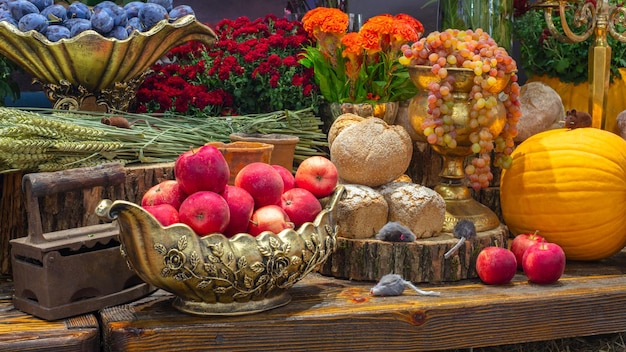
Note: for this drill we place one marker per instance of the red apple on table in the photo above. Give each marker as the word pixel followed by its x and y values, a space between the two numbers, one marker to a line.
pixel 544 262
pixel 269 218
pixel 205 212
pixel 289 180
pixel 241 205
pixel 165 192
pixel 300 205
pixel 263 183
pixel 496 265
pixel 202 169
pixel 520 244
pixel 317 175
pixel 166 214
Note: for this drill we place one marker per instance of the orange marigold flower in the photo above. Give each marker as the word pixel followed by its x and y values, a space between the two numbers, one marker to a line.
pixel 353 51
pixel 380 23
pixel 368 58
pixel 402 33
pixel 327 26
pixel 324 19
pixel 370 41
pixel 312 19
pixel 375 33
pixel 419 28
pixel 352 43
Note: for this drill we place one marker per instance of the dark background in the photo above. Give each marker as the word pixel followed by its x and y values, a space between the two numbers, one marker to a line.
pixel 211 11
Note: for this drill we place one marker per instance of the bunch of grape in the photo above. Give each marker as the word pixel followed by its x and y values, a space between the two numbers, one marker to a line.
pixel 57 22
pixel 477 51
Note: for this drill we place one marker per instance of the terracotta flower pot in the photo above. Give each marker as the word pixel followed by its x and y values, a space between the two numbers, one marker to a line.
pixel 284 146
pixel 240 154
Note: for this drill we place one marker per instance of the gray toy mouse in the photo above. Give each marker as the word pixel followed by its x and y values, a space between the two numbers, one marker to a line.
pixel 394 285
pixel 395 232
pixel 463 230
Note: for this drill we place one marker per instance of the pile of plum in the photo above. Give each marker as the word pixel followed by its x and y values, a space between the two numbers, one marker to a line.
pixel 56 21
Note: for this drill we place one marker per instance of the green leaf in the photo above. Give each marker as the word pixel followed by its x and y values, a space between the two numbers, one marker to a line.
pixel 562 65
pixel 550 58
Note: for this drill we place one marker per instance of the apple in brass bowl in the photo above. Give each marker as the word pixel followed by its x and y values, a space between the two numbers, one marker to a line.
pixel 216 275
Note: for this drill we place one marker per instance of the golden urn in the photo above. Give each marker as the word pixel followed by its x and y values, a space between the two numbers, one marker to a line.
pixel 459 202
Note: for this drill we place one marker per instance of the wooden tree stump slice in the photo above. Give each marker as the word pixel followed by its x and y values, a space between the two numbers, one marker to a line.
pixel 418 261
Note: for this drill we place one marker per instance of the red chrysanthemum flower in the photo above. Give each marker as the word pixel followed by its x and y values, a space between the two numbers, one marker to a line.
pixel 251 68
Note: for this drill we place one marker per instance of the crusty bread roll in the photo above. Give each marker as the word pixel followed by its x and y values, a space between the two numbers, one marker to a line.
pixel 361 212
pixel 417 207
pixel 371 152
pixel 342 121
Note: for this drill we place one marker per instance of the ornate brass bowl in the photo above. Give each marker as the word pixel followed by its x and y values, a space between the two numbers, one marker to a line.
pixel 90 62
pixel 215 275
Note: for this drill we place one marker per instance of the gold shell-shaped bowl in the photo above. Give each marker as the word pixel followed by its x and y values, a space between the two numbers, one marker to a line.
pixel 93 61
pixel 216 275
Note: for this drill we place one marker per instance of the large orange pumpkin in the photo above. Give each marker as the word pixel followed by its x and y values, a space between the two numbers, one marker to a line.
pixel 570 185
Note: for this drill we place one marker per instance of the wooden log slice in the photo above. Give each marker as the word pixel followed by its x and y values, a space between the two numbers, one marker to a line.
pixel 418 261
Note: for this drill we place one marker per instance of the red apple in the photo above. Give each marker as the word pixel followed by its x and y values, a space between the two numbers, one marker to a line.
pixel 317 175
pixel 269 218
pixel 289 181
pixel 166 214
pixel 205 212
pixel 202 169
pixel 263 183
pixel 241 205
pixel 300 205
pixel 544 262
pixel 496 265
pixel 165 192
pixel 520 244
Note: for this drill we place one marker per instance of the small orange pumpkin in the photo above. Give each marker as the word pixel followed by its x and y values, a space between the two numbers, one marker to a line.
pixel 570 185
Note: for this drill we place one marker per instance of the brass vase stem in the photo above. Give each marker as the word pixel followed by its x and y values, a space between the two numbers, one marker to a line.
pixel 452 168
pixel 459 202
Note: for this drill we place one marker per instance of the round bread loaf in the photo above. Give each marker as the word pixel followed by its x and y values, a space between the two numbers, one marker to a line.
pixel 371 152
pixel 342 121
pixel 361 212
pixel 417 207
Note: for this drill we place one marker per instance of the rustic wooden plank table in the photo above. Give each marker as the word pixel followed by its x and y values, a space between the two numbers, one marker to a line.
pixel 332 314
pixel 23 332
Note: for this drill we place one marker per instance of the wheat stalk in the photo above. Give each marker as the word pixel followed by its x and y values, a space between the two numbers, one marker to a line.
pixel 85 140
pixel 87 146
pixel 26 145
